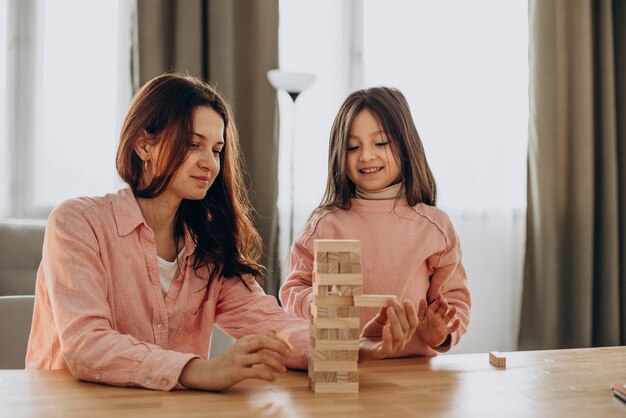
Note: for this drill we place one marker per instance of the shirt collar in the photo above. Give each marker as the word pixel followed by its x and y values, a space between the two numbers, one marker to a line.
pixel 126 210
pixel 128 217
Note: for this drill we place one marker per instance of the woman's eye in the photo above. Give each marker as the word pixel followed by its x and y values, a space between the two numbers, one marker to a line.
pixel 217 151
pixel 194 145
pixel 352 148
pixel 382 144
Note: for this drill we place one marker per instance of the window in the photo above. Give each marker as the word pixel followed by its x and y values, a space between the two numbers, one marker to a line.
pixel 69 64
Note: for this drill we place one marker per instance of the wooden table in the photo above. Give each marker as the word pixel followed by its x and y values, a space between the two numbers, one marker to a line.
pixel 556 383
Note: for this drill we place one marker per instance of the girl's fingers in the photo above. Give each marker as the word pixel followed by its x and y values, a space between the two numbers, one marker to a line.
pixel 455 325
pixel 411 316
pixel 434 307
pixel 397 333
pixel 448 317
pixel 381 317
pixel 443 306
pixel 421 310
pixel 387 345
pixel 401 315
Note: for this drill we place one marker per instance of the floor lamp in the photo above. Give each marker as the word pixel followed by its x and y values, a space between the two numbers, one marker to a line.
pixel 293 84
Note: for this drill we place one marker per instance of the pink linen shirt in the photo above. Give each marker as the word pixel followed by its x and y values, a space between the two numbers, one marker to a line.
pixel 100 310
pixel 412 252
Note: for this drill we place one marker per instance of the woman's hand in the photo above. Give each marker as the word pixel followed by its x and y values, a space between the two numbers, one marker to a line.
pixel 433 326
pixel 252 357
pixel 389 331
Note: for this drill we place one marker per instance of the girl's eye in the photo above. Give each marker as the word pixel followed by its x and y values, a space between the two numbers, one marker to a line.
pixel 382 144
pixel 217 152
pixel 352 148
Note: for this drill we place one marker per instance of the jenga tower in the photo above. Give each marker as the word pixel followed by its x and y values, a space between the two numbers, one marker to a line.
pixel 334 347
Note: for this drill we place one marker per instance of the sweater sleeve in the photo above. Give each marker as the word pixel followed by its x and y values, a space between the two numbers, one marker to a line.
pixel 449 279
pixel 248 310
pixel 76 284
pixel 296 293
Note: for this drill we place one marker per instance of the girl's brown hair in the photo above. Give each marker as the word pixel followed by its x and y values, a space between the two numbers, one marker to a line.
pixel 391 109
pixel 220 225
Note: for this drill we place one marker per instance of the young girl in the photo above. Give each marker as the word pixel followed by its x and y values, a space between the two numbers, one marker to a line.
pixel 131 283
pixel 380 190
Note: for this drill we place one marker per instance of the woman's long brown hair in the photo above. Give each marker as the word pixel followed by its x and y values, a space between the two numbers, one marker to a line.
pixel 220 223
pixel 392 110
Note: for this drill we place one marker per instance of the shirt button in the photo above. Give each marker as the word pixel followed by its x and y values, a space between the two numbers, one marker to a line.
pixel 160 325
pixel 165 382
pixel 148 380
pixel 98 376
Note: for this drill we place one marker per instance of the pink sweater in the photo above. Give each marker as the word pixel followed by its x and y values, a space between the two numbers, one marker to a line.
pixel 412 252
pixel 100 310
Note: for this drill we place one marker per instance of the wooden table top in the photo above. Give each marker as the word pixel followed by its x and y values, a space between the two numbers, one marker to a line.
pixel 554 383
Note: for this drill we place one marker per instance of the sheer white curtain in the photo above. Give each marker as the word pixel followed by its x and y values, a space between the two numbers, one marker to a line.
pixel 65 83
pixel 463 67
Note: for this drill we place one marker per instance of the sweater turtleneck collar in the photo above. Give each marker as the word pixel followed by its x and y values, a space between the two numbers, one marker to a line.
pixel 392 192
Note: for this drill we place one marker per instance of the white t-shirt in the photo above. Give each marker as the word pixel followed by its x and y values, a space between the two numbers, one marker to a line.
pixel 168 271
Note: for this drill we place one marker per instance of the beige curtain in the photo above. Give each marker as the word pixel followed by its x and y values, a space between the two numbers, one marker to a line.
pixel 575 268
pixel 232 44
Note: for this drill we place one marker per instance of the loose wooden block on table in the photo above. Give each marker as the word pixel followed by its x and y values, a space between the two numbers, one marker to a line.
pixel 497 359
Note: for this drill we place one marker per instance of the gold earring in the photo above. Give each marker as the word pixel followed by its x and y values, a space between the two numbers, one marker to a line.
pixel 145 164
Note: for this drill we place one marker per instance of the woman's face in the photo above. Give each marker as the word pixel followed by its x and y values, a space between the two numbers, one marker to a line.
pixel 194 177
pixel 370 161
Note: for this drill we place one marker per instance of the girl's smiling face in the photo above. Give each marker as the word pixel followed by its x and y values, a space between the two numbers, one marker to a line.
pixel 370 161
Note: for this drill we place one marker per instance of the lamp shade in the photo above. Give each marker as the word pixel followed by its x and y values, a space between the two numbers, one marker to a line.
pixel 290 82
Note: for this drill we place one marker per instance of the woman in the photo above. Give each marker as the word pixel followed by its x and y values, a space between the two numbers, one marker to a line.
pixel 131 283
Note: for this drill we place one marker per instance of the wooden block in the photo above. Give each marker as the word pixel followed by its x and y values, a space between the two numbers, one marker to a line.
pixel 373 301
pixel 346 290
pixel 333 355
pixel 334 333
pixel 355 267
pixel 333 262
pixel 320 267
pixel 320 264
pixel 334 311
pixel 321 257
pixel 333 300
pixel 337 245
pixel 323 290
pixel 497 359
pixel 318 377
pixel 337 322
pixel 349 387
pixel 337 279
pixel 329 345
pixel 333 366
pixel 344 263
pixel 344 377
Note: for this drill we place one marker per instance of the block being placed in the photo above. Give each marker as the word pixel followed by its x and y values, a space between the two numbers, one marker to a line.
pixel 373 301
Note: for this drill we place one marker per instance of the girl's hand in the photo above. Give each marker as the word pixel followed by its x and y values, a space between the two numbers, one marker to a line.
pixel 389 331
pixel 252 357
pixel 433 326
